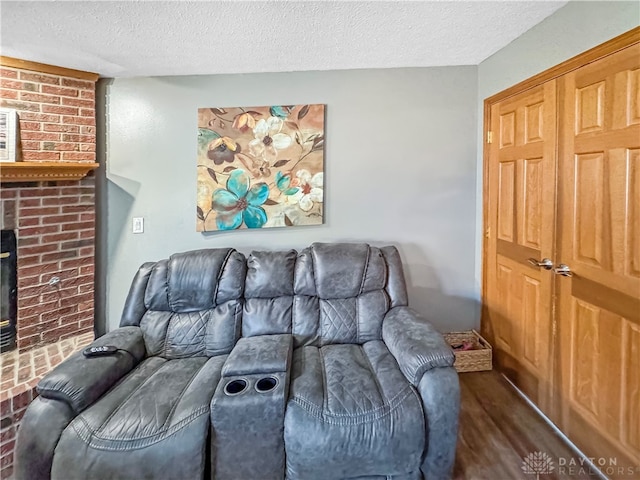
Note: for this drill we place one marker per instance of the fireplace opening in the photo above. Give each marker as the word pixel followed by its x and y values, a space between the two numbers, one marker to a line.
pixel 8 290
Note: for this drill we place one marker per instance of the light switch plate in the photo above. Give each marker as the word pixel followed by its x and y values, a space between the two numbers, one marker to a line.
pixel 138 225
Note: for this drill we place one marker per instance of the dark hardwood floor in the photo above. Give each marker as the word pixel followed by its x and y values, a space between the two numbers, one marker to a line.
pixel 498 429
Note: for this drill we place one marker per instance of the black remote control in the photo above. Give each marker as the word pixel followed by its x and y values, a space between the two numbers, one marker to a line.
pixel 99 351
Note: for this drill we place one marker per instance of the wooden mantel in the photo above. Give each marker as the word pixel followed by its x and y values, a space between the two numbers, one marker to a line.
pixel 44 171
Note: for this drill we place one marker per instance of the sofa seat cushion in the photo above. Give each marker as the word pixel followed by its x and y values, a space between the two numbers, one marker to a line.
pixel 351 413
pixel 153 424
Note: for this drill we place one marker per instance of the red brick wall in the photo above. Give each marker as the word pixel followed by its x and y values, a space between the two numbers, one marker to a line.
pixel 55 221
pixel 57 114
pixel 56 235
pixel 11 413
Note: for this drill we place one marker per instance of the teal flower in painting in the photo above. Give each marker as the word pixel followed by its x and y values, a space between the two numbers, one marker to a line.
pixel 281 111
pixel 239 203
pixel 283 182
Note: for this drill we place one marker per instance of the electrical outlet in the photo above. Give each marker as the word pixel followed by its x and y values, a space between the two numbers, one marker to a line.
pixel 138 225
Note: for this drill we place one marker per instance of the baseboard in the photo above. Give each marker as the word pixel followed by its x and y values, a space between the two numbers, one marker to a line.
pixel 593 468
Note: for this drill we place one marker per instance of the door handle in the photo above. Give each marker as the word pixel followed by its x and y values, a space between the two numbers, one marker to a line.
pixel 563 270
pixel 544 263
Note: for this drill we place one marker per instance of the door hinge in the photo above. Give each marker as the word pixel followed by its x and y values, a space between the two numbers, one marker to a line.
pixel 489 136
pixel 487 232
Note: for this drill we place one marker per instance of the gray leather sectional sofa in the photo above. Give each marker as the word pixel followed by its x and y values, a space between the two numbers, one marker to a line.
pixel 289 365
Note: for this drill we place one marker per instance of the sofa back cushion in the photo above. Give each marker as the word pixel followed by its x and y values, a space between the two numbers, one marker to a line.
pixel 268 305
pixel 190 304
pixel 326 294
pixel 340 294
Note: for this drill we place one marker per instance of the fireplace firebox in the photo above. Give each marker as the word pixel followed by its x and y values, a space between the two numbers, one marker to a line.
pixel 9 290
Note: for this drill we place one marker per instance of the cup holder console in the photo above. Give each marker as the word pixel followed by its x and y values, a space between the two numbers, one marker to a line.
pixel 266 384
pixel 249 403
pixel 263 385
pixel 235 387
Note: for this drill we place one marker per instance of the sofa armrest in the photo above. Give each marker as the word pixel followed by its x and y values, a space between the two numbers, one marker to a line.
pixel 415 344
pixel 79 381
pixel 439 391
pixel 40 429
pixel 259 354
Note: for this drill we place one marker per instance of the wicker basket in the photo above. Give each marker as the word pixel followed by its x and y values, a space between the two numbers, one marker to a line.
pixel 474 360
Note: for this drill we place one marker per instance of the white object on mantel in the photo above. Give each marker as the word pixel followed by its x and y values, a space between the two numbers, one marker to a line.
pixel 148 38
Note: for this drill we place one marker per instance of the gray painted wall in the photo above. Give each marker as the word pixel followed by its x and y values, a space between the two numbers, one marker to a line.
pixel 576 27
pixel 400 166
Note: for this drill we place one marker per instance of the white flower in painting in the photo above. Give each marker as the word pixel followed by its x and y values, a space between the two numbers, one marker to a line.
pixel 310 189
pixel 268 139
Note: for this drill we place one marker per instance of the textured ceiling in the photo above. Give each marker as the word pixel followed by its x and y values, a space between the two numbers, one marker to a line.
pixel 145 38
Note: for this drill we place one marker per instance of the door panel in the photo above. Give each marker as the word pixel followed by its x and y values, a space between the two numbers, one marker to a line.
pixel 598 314
pixel 590 108
pixel 529 231
pixel 589 186
pixel 631 385
pixel 521 209
pixel 631 251
pixel 506 199
pixel 531 320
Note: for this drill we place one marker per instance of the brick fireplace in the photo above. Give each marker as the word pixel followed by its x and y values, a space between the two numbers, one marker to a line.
pixel 55 226
pixel 51 208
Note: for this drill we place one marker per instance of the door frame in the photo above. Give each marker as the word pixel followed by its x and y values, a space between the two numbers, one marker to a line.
pixel 596 53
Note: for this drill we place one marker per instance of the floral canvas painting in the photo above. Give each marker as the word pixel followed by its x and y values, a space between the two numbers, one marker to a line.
pixel 260 167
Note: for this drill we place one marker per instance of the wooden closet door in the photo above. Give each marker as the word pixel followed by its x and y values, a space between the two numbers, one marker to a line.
pixel 598 311
pixel 521 196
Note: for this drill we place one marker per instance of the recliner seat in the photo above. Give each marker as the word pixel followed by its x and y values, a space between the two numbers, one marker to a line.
pixel 351 413
pixel 156 415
